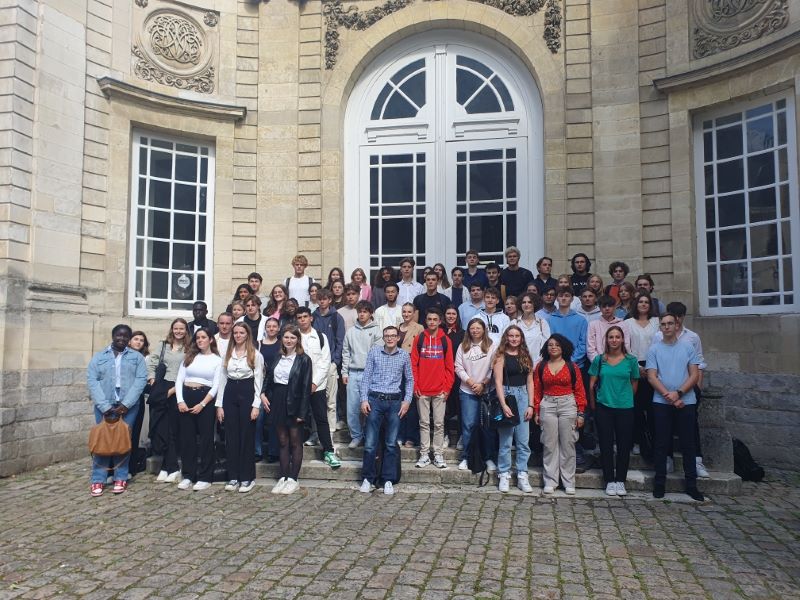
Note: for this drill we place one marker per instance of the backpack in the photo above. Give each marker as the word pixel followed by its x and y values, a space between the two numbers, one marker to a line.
pixel 420 342
pixel 475 461
pixel 744 465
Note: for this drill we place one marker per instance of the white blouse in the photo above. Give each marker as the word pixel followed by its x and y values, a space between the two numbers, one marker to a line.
pixel 283 368
pixel 239 369
pixel 641 338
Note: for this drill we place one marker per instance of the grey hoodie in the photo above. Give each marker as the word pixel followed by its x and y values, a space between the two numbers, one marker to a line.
pixel 357 343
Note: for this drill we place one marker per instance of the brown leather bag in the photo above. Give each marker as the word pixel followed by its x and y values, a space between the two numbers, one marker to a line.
pixel 110 437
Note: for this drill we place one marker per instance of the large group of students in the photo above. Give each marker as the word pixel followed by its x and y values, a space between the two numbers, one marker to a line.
pixel 404 363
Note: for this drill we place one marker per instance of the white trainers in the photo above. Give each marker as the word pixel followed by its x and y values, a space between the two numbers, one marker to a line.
pixel 702 472
pixel 423 462
pixel 185 484
pixel 490 466
pixel 201 485
pixel 637 450
pixel 523 483
pixel 670 465
pixel 463 466
pixel 570 491
pixel 290 487
pixel 246 486
pixel 278 487
pixel 460 444
pixel 366 487
pixel 548 489
pixel 232 485
pixel 354 444
pixel 438 461
pixel 173 477
pixel 162 476
pixel 621 491
pixel 611 488
pixel 388 488
pixel 312 441
pixel 504 479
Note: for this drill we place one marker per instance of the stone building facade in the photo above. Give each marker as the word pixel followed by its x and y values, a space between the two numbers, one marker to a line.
pixel 157 151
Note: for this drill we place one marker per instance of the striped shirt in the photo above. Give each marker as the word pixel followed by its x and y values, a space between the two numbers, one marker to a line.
pixel 385 373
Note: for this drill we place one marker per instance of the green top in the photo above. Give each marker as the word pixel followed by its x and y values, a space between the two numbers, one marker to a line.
pixel 614 389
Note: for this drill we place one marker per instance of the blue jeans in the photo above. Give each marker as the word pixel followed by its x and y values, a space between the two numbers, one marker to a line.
pixel 354 403
pixel 382 411
pixel 520 435
pixel 409 425
pixel 471 425
pixel 101 465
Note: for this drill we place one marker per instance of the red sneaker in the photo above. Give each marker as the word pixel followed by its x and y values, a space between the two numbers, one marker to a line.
pixel 119 487
pixel 97 489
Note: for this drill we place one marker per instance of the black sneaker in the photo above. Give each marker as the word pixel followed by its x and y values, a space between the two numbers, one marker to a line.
pixel 695 494
pixel 658 491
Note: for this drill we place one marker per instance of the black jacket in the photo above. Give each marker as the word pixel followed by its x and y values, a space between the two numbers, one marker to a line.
pixel 298 398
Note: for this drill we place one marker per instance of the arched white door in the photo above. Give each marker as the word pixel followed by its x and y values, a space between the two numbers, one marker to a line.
pixel 443 153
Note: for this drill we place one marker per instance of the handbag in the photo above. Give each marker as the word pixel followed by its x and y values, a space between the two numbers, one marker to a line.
pixel 161 368
pixel 498 418
pixel 110 437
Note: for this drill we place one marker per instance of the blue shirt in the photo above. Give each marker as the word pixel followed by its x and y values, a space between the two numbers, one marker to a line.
pixel 671 363
pixel 479 277
pixel 386 373
pixel 573 327
pixel 468 311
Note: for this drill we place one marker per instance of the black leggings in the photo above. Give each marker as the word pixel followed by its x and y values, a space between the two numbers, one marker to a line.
pixel 291 454
pixel 614 424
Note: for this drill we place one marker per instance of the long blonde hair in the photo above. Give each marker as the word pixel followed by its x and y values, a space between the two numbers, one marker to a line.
pixel 486 341
pixel 524 357
pixel 250 350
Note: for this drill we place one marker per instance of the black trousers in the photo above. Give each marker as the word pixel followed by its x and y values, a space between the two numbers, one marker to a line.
pixel 643 432
pixel 193 426
pixel 667 418
pixel 163 434
pixel 136 429
pixel 240 430
pixel 319 410
pixel 614 423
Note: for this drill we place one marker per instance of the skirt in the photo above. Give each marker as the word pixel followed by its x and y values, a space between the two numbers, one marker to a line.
pixel 277 407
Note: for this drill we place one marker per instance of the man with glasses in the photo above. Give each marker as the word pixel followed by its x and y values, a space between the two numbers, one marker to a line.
pixel 386 388
pixel 673 369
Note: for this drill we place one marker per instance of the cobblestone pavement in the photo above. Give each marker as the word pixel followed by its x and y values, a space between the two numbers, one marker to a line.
pixel 158 542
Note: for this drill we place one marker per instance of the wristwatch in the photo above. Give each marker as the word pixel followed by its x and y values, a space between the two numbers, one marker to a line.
pixel 680 393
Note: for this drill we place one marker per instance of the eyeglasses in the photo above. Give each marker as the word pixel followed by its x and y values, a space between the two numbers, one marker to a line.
pixel 390 335
pixel 667 324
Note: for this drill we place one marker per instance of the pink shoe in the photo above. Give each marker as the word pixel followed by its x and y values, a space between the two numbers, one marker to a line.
pixel 119 487
pixel 97 490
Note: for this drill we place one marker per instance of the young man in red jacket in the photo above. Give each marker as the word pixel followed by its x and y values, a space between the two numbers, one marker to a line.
pixel 432 366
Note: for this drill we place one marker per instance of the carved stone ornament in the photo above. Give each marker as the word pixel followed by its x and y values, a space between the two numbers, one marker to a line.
pixel 336 16
pixel 724 24
pixel 173 49
pixel 140 3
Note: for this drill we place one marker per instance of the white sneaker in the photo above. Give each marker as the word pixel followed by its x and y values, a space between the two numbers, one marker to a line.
pixel 388 488
pixel 490 466
pixel 463 466
pixel 354 444
pixel 548 489
pixel 460 444
pixel 637 450
pixel 290 487
pixel 366 487
pixel 702 472
pixel 201 485
pixel 312 441
pixel 162 476
pixel 621 491
pixel 611 488
pixel 173 477
pixel 570 491
pixel 670 465
pixel 503 483
pixel 423 462
pixel 438 461
pixel 246 486
pixel 231 485
pixel 523 483
pixel 278 487
pixel 185 484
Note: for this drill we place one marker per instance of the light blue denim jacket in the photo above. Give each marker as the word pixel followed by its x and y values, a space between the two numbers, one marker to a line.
pixel 101 378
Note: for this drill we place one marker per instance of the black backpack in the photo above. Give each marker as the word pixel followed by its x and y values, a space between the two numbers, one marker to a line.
pixel 420 341
pixel 475 461
pixel 744 465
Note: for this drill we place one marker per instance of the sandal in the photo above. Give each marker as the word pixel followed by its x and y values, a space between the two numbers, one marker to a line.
pixel 97 489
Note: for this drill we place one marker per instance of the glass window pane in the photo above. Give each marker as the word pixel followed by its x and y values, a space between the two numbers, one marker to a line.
pixel 511 230
pixel 184 227
pixel 380 100
pixel 728 302
pixel 729 142
pixel 183 257
pixel 373 186
pixel 732 244
pixel 421 236
pixel 160 164
pixel 760 135
pixel 783 165
pixel 140 222
pixel 161 144
pixel 161 194
pixel 505 96
pixel 759 110
pixel 764 240
pixel 414 88
pixel 185 197
pixel 139 253
pixel 765 276
pixel 484 102
pixel 713 303
pixel 728 119
pixel 158 224
pixel 730 176
pixel 399 108
pixel 784 192
pixel 762 205
pixel 761 169
pixel 398 77
pixel 201 257
pixel 185 168
pixel 204 170
pixel 711 213
pixel 786 237
pixel 733 278
pixel 486 207
pixel 788 282
pixel 708 147
pixel 461 235
pixel 397 184
pixel 712 280
pixel 397 159
pixel 466 85
pixel 158 252
pixel 511 179
pixel 142 196
pixel 421 185
pixel 183 286
pixel 474 65
pixel 374 236
pixel 461 183
pixel 485 181
pixel 476 155
pixel 781 128
pixel 157 284
pixel 731 210
pixel 708 173
pixel 201 227
pixel 486 233
pixel 398 236
pixel 711 246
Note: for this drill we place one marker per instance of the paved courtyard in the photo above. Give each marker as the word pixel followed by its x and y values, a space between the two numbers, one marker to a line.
pixel 158 542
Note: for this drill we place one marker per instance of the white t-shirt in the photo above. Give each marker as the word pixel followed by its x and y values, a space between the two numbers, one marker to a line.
pixel 298 289
pixel 385 316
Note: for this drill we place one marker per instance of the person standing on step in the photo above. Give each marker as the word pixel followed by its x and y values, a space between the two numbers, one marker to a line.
pixel 579 279
pixel 496 320
pixel 514 277
pixel 390 312
pixel 223 335
pixel 328 321
pixel 318 349
pixel 357 343
pixel 431 298
pixel 200 314
pixel 386 394
pixel 287 395
pixel 432 365
pixel 298 284
pixel 673 369
pixel 238 405
pixel 615 374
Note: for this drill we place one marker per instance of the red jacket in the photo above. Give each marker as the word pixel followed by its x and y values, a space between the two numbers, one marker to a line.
pixel 432 368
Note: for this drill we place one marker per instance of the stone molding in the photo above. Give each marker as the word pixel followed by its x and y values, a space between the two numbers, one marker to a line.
pixel 719 25
pixel 117 88
pixel 337 16
pixel 783 47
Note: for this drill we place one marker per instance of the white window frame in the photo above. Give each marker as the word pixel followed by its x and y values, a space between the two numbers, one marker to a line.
pixel 208 288
pixel 525 122
pixel 700 214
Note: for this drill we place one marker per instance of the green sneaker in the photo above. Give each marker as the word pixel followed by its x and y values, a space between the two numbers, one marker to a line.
pixel 332 461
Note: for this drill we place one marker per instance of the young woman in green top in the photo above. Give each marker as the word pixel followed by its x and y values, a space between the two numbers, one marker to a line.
pixel 613 378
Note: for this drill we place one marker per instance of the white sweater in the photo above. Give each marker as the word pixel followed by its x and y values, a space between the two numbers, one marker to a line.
pixel 204 370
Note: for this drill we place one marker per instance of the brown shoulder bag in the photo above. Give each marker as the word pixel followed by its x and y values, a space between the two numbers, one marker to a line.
pixel 110 437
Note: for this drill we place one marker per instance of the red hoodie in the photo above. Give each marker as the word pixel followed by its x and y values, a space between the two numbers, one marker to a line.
pixel 433 369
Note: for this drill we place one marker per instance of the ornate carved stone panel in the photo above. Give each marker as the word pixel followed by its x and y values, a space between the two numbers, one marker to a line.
pixel 175 45
pixel 337 16
pixel 719 25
